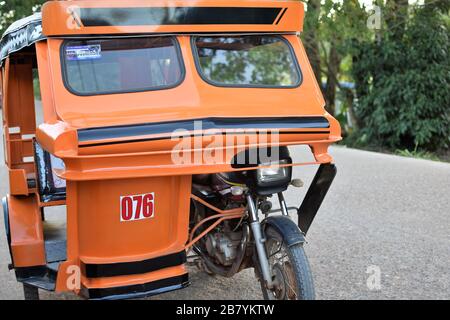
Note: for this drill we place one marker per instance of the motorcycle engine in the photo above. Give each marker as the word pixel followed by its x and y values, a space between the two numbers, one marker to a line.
pixel 222 243
pixel 223 246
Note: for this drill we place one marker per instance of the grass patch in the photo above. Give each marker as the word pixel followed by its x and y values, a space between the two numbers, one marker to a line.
pixel 358 141
pixel 418 154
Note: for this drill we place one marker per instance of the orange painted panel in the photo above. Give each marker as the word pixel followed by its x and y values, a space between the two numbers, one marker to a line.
pixel 114 17
pixel 19 107
pixel 46 85
pixel 27 239
pixel 193 99
pixel 104 238
pixel 133 279
pixel 18 182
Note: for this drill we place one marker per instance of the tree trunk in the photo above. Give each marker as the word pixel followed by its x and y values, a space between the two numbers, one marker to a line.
pixel 332 78
pixel 311 37
pixel 350 102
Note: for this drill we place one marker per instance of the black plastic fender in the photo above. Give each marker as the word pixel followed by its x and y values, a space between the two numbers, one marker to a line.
pixel 7 226
pixel 287 228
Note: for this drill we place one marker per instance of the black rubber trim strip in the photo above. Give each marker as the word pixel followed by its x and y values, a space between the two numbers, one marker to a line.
pixel 139 290
pixel 100 144
pixel 104 133
pixel 131 268
pixel 109 17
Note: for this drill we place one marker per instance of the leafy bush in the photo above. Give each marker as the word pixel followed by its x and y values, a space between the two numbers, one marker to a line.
pixel 404 96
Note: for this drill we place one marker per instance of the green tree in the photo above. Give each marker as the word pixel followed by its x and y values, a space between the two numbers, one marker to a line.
pixel 12 10
pixel 331 28
pixel 405 79
pixel 311 36
pixel 342 23
pixel 401 72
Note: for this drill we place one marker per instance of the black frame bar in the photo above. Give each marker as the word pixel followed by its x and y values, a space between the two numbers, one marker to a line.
pixel 315 196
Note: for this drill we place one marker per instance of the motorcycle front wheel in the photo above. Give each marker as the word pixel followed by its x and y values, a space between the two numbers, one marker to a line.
pixel 290 269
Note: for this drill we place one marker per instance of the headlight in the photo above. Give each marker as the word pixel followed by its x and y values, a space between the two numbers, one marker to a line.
pixel 275 175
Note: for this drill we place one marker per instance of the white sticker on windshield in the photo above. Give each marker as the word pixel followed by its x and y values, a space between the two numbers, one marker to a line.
pixel 88 52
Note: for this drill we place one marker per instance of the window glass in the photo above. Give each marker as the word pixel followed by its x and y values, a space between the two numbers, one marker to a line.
pixel 121 65
pixel 247 61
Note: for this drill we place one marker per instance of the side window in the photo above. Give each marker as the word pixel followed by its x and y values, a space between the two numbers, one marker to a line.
pixel 108 66
pixel 248 61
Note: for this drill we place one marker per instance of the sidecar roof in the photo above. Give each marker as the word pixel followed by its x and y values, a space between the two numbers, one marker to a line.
pixel 93 18
pixel 20 35
pixel 106 17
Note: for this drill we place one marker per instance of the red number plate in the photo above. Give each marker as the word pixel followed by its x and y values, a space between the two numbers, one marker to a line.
pixel 138 207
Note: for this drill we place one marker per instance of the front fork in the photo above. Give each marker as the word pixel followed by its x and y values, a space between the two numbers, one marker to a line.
pixel 306 214
pixel 260 240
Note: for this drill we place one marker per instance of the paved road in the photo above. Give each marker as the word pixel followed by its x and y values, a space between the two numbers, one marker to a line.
pixel 384 211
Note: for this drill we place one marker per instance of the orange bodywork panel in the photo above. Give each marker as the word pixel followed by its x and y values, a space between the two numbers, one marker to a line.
pixel 105 238
pixel 18 184
pixel 19 124
pixel 118 281
pixel 98 236
pixel 192 99
pixel 27 239
pixel 91 17
pixel 109 159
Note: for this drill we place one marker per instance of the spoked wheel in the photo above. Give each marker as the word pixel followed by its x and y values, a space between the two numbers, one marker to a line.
pixel 290 268
pixel 30 292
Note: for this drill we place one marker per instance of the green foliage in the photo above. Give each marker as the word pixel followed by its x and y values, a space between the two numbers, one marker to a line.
pixel 401 73
pixel 331 30
pixel 417 154
pixel 404 84
pixel 36 85
pixel 12 10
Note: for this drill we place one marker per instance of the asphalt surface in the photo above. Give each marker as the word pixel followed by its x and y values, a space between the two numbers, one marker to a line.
pixel 384 212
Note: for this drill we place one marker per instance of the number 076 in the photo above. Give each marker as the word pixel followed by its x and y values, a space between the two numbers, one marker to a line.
pixel 137 207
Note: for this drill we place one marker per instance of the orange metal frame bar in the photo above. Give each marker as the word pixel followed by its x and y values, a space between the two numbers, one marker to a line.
pixel 221 216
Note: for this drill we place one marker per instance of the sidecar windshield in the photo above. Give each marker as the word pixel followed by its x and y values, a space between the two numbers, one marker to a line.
pixel 92 67
pixel 247 61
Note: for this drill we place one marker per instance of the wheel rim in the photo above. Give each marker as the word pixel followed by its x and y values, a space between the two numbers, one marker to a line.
pixel 282 272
